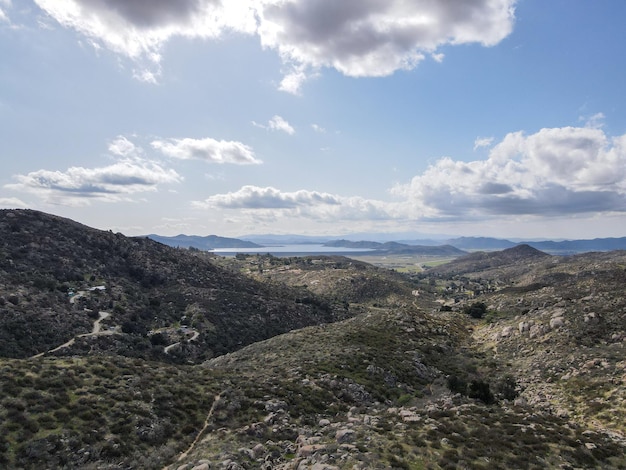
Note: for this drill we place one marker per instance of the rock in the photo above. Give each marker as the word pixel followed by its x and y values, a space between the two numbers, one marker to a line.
pixel 323 466
pixel 202 466
pixel 270 418
pixel 520 401
pixel 590 445
pixel 523 327
pixel 345 436
pixel 537 330
pixel 258 450
pixel 506 332
pixel 308 450
pixel 275 405
pixel 371 420
pixel 591 318
pixel 324 422
pixel 557 322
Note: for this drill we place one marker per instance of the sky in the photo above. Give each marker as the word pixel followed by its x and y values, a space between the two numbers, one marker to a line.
pixel 496 118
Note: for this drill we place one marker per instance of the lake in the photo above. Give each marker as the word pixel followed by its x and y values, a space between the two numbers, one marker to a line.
pixel 292 250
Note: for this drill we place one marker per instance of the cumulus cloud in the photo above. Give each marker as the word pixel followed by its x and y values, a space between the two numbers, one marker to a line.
pixel 356 37
pixel 376 38
pixel 123 147
pixel 269 203
pixel 254 197
pixel 277 123
pixel 210 150
pixel 79 185
pixel 557 171
pixel 139 28
pixel 12 203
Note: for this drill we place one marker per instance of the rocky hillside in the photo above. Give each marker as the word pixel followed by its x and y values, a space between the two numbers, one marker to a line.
pixel 177 359
pixel 56 275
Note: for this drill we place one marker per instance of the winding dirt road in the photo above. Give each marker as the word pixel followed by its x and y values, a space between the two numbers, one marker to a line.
pixel 167 349
pixel 95 331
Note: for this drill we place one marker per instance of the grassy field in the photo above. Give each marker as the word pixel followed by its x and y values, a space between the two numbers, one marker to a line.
pixel 404 263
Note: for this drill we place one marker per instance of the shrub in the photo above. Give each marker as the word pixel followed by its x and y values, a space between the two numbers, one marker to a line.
pixel 475 310
pixel 456 384
pixel 507 388
pixel 480 390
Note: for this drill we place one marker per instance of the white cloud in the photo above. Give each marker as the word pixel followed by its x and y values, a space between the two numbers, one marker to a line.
pixel 356 37
pixel 376 38
pixel 569 171
pixel 5 5
pixel 210 150
pixel 595 121
pixel 138 28
pixel 438 57
pixel 79 185
pixel 482 142
pixel 254 197
pixel 277 123
pixel 318 128
pixel 12 203
pixel 122 147
pixel 293 80
pixel 555 171
pixel 271 204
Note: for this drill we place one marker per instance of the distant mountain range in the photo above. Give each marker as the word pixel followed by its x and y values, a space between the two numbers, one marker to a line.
pixel 209 242
pixel 449 247
pixel 554 247
pixel 398 248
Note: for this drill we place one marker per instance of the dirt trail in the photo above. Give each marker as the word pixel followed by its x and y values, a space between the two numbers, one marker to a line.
pixel 167 349
pixel 95 331
pixel 207 422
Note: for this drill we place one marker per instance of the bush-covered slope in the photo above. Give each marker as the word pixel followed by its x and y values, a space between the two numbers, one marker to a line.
pixel 145 286
pixel 407 380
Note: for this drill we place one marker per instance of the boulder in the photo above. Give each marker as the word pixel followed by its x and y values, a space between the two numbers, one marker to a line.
pixel 344 436
pixel 557 322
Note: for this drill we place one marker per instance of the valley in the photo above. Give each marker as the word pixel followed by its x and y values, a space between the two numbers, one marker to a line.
pixel 187 360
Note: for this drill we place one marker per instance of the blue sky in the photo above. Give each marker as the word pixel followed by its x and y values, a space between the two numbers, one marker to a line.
pixel 467 117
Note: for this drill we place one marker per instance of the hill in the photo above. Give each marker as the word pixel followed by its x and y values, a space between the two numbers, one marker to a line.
pixel 398 248
pixel 480 243
pixel 558 324
pixel 57 275
pixel 173 358
pixel 550 246
pixel 210 242
pixel 518 256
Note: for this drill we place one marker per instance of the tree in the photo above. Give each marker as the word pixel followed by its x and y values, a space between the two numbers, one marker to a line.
pixel 480 390
pixel 476 310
